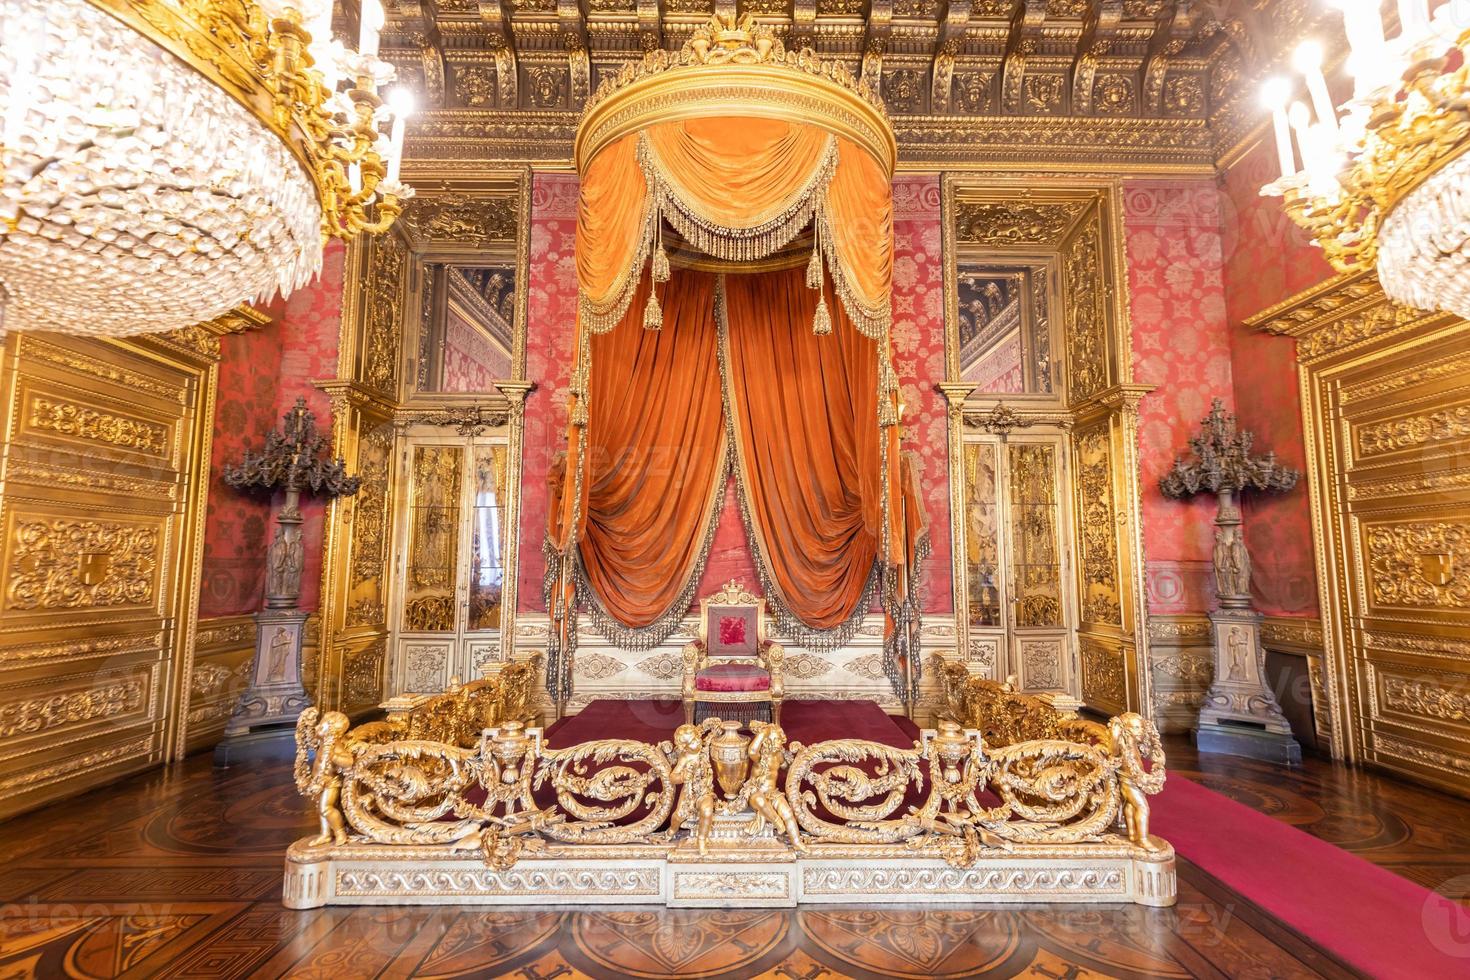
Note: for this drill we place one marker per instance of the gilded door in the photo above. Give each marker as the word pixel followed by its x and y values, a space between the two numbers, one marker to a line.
pixel 450 561
pixel 1393 422
pixel 105 455
pixel 1015 591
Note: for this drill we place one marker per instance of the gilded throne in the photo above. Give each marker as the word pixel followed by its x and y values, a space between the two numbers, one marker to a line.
pixel 733 663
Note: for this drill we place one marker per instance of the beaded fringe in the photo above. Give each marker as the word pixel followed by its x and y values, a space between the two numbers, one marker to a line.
pixel 737 244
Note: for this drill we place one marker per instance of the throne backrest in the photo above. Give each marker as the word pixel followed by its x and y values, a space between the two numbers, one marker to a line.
pixel 732 622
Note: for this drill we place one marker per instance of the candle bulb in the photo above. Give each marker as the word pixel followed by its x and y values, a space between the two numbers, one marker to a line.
pixel 1301 122
pixel 1413 20
pixel 401 102
pixel 372 22
pixel 1275 95
pixel 1308 61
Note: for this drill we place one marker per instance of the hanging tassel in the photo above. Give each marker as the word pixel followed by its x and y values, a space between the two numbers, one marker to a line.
pixel 653 314
pixel 814 269
pixel 579 411
pixel 822 322
pixel 660 264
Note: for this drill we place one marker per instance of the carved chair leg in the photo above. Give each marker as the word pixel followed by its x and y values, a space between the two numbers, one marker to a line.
pixel 688 712
pixel 776 712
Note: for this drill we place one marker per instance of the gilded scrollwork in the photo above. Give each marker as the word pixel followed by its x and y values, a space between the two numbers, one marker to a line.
pixel 1100 595
pixel 384 314
pixel 1087 353
pixel 79 421
pixel 461 769
pixel 58 563
pixel 1420 564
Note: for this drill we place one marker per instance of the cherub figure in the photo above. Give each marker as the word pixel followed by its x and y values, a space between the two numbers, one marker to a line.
pixel 767 752
pixel 1135 739
pixel 322 780
pixel 695 776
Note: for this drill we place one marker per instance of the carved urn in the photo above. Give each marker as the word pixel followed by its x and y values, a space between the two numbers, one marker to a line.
pixel 727 753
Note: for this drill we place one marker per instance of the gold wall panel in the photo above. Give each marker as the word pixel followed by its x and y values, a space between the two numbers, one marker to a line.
pixel 223 649
pixel 105 463
pixel 1386 399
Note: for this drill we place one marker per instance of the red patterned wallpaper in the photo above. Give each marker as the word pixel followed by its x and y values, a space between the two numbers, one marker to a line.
pixel 236 524
pixel 918 357
pixel 261 375
pixel 1181 343
pixel 1267 260
pixel 550 321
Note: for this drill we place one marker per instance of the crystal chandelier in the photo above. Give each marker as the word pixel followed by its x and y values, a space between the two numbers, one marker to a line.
pixel 1384 181
pixel 167 160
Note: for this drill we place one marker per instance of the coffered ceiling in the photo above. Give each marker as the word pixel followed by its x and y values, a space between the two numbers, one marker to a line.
pixel 1127 84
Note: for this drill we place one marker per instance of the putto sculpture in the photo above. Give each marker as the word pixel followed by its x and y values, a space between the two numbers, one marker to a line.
pixel 1240 714
pixel 296 459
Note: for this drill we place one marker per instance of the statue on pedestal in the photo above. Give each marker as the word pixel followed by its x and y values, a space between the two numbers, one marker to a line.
pixel 1240 714
pixel 296 460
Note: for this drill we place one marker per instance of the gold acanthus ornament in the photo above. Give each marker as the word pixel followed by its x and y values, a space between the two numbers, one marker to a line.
pixel 423 778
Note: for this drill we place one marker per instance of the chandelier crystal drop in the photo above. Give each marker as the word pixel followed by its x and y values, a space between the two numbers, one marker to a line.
pixel 1384 183
pixel 146 191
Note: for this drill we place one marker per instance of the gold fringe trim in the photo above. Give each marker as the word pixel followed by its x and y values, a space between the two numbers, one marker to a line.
pixel 737 244
pixel 653 314
pixel 871 322
pixel 602 318
pixel 822 321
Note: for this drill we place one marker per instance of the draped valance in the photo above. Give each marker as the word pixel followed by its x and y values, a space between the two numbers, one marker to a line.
pixel 775 366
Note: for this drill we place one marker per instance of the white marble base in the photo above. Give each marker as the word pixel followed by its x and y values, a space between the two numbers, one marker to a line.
pixel 1111 871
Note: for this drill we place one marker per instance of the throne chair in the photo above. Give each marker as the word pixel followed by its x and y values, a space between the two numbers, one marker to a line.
pixel 733 664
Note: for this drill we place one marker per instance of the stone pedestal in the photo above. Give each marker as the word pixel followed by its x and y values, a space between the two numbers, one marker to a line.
pixel 268 709
pixel 1240 715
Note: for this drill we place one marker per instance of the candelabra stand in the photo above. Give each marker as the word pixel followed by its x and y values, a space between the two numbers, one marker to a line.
pixel 293 462
pixel 1240 714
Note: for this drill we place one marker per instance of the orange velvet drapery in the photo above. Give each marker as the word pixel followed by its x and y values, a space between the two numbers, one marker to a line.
pixel 654 466
pixel 746 175
pixel 803 410
pixel 814 417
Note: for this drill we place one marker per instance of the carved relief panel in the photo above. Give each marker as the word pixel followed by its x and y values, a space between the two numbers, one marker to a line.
pixel 1386 393
pixel 104 472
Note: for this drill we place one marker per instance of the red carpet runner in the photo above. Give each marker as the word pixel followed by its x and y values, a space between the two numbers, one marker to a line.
pixel 1368 917
pixel 1371 918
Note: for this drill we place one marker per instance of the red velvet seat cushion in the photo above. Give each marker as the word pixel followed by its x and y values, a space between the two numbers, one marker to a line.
pixel 732 677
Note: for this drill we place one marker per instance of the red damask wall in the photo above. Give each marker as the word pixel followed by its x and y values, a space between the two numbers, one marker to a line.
pixel 551 316
pixel 1181 344
pixel 1268 259
pixel 262 372
pixel 918 358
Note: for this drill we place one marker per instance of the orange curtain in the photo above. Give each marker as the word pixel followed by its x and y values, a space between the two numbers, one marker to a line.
pixel 859 230
pixel 655 471
pixel 804 412
pixel 738 173
pixel 612 225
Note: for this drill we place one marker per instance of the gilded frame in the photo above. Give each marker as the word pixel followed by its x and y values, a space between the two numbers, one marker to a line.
pixel 1068 223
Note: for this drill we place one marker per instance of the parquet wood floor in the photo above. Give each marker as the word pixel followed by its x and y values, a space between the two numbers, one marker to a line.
pixel 178 873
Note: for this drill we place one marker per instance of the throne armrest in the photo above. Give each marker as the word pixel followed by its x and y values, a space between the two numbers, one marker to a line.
pixel 695 658
pixel 773 658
